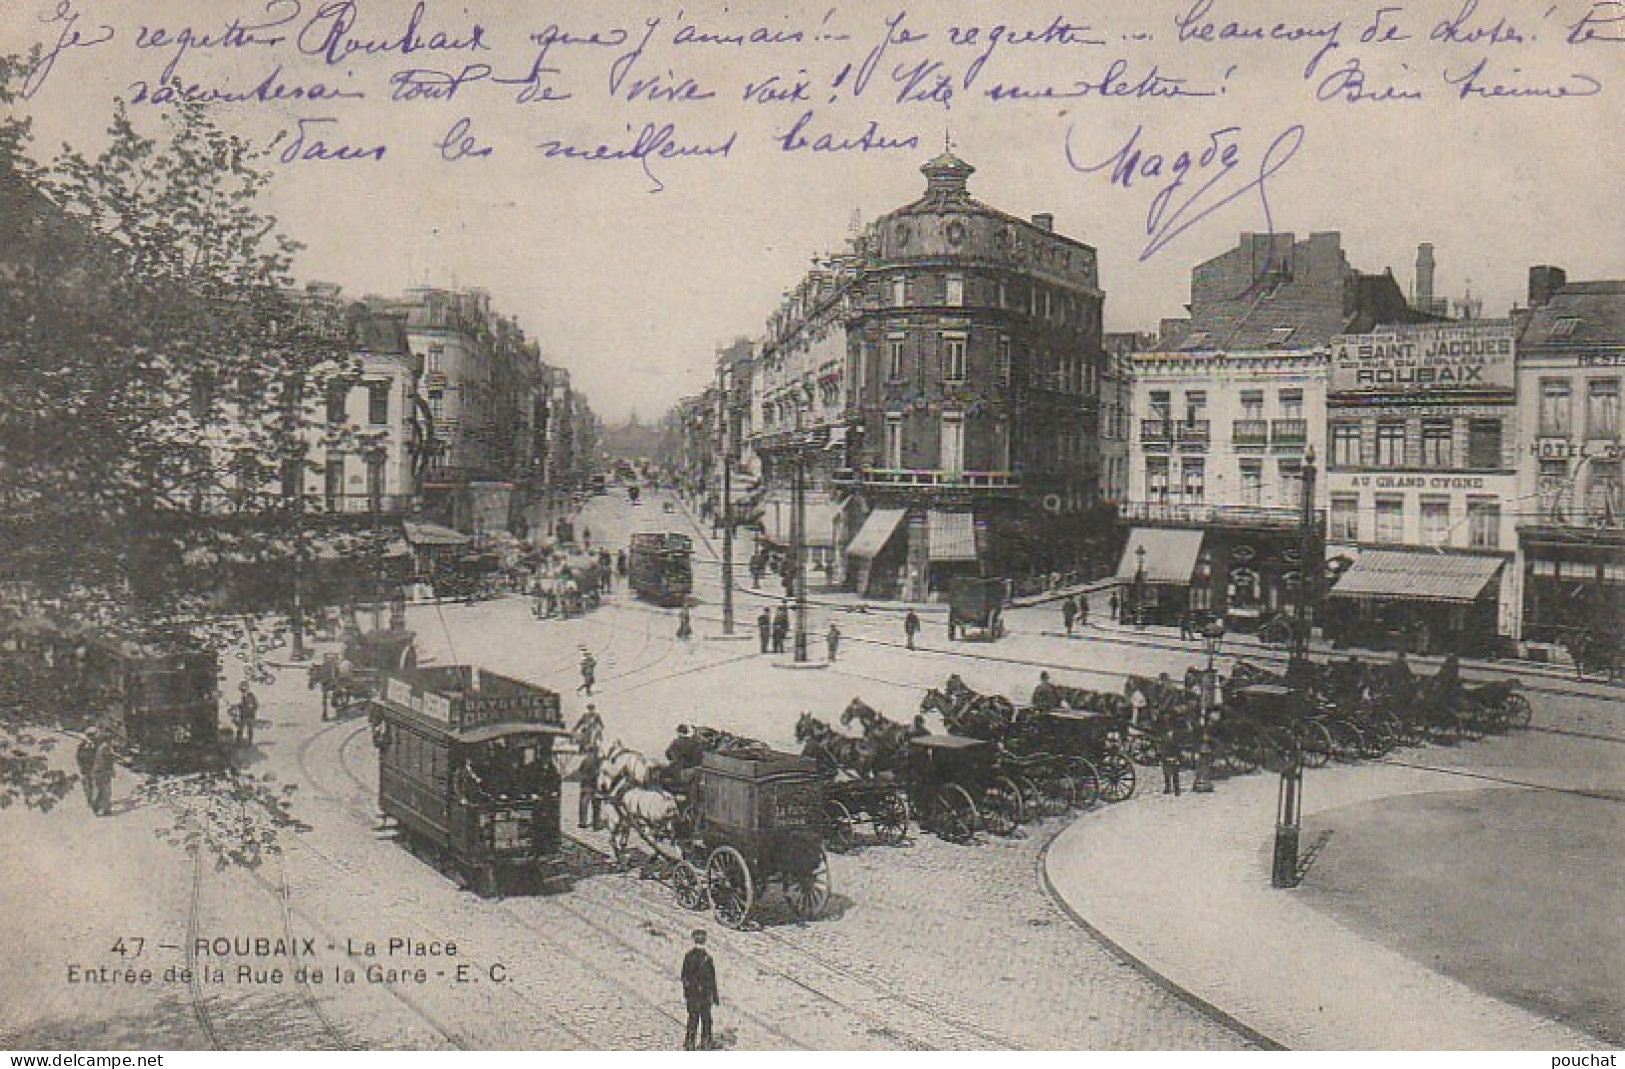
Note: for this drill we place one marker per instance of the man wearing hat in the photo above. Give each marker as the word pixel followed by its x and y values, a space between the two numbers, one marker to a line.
pixel 699 992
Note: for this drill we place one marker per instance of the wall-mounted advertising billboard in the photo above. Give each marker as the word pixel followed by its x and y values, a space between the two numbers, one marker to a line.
pixel 1444 358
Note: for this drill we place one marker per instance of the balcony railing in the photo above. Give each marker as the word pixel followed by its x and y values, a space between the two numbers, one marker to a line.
pixel 1250 432
pixel 1209 515
pixel 357 504
pixel 1193 434
pixel 1289 431
pixel 912 477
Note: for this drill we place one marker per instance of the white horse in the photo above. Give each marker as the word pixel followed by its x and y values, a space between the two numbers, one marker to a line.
pixel 623 769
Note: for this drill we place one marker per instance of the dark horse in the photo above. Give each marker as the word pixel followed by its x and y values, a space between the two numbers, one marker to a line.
pixel 966 712
pixel 833 751
pixel 886 740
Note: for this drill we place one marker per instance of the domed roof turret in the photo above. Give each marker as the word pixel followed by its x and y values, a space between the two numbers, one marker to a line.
pixel 946 179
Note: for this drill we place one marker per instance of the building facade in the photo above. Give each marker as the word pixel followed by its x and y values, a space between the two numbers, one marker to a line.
pixel 1571 519
pixel 973 370
pixel 1421 472
pixel 1230 416
pixel 1217 481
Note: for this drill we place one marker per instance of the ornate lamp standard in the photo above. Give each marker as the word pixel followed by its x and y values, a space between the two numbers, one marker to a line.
pixel 1139 587
pixel 1212 639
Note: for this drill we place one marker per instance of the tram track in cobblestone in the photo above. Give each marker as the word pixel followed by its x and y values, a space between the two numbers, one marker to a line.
pixel 286 1021
pixel 741 948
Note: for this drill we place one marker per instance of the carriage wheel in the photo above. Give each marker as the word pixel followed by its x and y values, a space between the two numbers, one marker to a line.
pixel 956 818
pixel 1117 778
pixel 620 843
pixel 1315 740
pixel 1001 806
pixel 687 886
pixel 1058 794
pixel 1348 738
pixel 1471 721
pixel 1244 752
pixel 1517 710
pixel 890 817
pixel 808 892
pixel 728 882
pixel 1379 740
pixel 1085 782
pixel 838 826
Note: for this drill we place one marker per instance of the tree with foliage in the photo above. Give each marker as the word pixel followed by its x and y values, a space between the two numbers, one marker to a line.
pixel 160 376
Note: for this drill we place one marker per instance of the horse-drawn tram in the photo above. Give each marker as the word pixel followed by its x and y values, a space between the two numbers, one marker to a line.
pixel 466 771
pixel 749 820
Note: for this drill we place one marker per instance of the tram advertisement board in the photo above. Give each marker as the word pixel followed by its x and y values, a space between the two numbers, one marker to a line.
pixel 1455 358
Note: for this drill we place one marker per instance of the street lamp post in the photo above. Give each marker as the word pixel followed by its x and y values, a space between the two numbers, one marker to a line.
pixel 1212 638
pixel 1298 662
pixel 1139 588
pixel 725 426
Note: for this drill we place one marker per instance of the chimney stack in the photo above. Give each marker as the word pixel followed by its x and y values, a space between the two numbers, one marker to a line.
pixel 1422 300
pixel 1044 221
pixel 1544 282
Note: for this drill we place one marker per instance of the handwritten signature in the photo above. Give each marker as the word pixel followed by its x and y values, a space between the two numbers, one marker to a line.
pixel 1191 184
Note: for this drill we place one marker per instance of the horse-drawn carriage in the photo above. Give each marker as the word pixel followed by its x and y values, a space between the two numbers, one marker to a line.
pixel 977 604
pixel 749 819
pixel 956 788
pixel 357 674
pixel 865 784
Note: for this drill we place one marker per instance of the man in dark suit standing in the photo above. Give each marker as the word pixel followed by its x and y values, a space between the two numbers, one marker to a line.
pixel 699 991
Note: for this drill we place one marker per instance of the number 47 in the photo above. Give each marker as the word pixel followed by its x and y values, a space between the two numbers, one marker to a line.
pixel 131 947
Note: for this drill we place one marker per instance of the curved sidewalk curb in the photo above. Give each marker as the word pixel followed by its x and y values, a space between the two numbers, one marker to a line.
pixel 1190 998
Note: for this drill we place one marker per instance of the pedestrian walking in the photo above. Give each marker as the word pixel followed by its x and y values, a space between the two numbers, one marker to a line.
pixel 685 626
pixel 911 627
pixel 245 712
pixel 1069 613
pixel 1116 607
pixel 589 736
pixel 833 637
pixel 1168 754
pixel 1083 612
pixel 781 628
pixel 589 671
pixel 85 755
pixel 764 629
pixel 1187 625
pixel 699 993
pixel 101 774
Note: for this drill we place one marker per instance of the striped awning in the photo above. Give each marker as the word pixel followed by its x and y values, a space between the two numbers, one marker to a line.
pixel 950 536
pixel 876 532
pixel 1417 575
pixel 1170 554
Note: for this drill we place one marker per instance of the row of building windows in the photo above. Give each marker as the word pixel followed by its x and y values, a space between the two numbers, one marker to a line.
pixel 1065 373
pixel 1556 415
pixel 1289 402
pixel 1386 443
pixel 1483 520
pixel 1192 486
pixel 1040 302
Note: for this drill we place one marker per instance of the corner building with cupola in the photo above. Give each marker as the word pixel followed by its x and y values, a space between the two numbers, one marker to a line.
pixel 974 370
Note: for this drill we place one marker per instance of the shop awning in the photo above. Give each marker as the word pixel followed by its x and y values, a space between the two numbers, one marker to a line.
pixel 432 534
pixel 1417 575
pixel 950 536
pixel 876 532
pixel 1170 554
pixel 819 519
